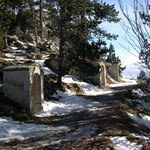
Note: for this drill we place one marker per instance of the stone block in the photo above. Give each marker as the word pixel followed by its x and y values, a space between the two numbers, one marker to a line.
pixel 23 84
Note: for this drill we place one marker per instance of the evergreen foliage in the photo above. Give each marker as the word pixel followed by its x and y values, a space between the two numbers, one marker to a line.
pixel 143 76
pixel 6 16
pixel 77 24
pixel 112 58
pixel 145 51
pixel 78 28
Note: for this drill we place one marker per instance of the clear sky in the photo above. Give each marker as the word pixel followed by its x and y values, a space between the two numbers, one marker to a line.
pixel 128 60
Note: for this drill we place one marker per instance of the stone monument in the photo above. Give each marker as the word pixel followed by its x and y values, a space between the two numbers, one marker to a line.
pixel 23 84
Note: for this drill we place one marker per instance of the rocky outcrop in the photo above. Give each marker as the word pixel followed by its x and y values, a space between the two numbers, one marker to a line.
pixel 29 37
pixel 12 39
pixel 28 42
pixel 52 63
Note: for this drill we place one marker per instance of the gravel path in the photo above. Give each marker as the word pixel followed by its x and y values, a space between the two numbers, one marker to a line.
pixel 84 127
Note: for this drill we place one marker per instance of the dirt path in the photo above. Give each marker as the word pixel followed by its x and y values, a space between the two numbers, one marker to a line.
pixel 85 127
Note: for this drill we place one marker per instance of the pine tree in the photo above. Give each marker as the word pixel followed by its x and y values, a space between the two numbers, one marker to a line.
pixel 144 76
pixel 78 26
pixel 5 20
pixel 112 58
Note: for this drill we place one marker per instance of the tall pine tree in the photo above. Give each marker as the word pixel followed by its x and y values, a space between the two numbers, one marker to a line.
pixel 79 25
pixel 112 58
pixel 5 20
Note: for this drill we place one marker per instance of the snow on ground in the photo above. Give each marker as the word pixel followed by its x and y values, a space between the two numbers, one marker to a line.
pixel 127 82
pixel 88 89
pixel 20 57
pixel 121 143
pixel 20 51
pixel 67 104
pixel 142 103
pixel 10 129
pixel 44 69
pixel 141 137
pixel 145 105
pixel 139 92
pixel 145 117
pixel 14 48
pixel 8 59
pixel 10 55
pixel 145 120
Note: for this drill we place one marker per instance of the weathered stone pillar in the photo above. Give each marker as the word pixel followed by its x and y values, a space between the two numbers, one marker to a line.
pixel 113 70
pixel 23 84
pixel 102 74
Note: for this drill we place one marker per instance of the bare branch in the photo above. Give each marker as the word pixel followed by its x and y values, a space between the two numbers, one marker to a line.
pixel 137 28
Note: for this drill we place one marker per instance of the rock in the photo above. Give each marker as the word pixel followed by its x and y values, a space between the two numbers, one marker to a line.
pixel 12 39
pixel 30 48
pixel 29 37
pixel 39 56
pixel 44 48
pixel 20 44
pixel 36 50
pixel 38 39
pixel 52 63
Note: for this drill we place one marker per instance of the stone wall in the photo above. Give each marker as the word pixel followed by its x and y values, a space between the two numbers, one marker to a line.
pixel 113 71
pixel 23 84
pixel 104 68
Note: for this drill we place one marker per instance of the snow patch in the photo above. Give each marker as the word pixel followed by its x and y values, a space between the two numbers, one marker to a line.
pixel 20 51
pixel 145 117
pixel 122 143
pixel 44 69
pixel 10 129
pixel 139 92
pixel 9 59
pixel 142 103
pixel 141 137
pixel 14 48
pixel 88 89
pixel 145 120
pixel 67 104
pixel 127 82
pixel 10 55
pixel 20 57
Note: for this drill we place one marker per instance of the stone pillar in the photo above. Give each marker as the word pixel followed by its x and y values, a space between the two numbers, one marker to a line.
pixel 102 74
pixel 113 70
pixel 23 84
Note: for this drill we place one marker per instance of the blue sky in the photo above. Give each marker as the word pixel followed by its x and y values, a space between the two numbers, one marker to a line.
pixel 129 60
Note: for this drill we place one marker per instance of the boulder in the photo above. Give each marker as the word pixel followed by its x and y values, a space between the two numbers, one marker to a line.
pixel 12 39
pixel 20 44
pixel 29 37
pixel 39 56
pixel 52 63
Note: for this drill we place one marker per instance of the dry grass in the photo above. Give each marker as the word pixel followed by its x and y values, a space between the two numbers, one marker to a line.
pixel 11 109
pixel 73 88
pixel 109 80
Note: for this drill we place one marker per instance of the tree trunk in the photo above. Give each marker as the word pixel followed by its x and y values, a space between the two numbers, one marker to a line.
pixel 34 24
pixel 41 19
pixel 60 57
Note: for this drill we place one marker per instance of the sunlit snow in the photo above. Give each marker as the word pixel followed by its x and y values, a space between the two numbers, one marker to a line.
pixel 44 69
pixel 122 143
pixel 67 104
pixel 145 120
pixel 10 129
